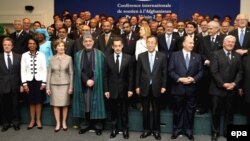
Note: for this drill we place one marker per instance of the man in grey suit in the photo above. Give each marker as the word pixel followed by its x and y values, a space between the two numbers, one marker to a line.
pixel 118 85
pixel 151 75
pixel 10 85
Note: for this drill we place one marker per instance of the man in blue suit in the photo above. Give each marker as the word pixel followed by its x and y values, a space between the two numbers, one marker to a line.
pixel 185 69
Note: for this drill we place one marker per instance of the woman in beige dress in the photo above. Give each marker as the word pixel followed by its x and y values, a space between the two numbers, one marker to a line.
pixel 60 83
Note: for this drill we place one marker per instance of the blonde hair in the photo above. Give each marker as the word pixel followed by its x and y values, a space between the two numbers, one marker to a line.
pixel 147 30
pixel 57 42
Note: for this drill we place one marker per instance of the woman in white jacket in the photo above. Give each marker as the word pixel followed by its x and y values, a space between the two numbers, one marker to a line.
pixel 33 75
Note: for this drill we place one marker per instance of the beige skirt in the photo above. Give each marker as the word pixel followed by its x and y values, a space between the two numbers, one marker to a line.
pixel 59 95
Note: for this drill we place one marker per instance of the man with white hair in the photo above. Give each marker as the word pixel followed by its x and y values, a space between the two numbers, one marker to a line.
pixel 226 74
pixel 242 34
pixel 212 42
pixel 19 37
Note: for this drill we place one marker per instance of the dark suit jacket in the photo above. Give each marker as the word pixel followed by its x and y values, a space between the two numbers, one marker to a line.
pixel 107 50
pixel 129 46
pixel 246 41
pixel 20 43
pixel 177 68
pixel 162 44
pixel 158 75
pixel 10 80
pixel 118 85
pixel 246 77
pixel 224 72
pixel 70 47
pixel 208 49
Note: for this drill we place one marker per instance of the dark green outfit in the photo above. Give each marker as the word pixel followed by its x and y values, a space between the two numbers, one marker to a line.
pixel 97 109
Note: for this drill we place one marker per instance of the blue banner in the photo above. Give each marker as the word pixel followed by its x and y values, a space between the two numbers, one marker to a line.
pixel 183 8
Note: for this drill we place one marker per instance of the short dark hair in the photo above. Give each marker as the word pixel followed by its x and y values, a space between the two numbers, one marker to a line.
pixel 192 23
pixel 117 38
pixel 152 36
pixel 36 41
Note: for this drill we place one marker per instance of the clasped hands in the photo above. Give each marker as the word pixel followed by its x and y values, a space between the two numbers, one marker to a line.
pixel 186 80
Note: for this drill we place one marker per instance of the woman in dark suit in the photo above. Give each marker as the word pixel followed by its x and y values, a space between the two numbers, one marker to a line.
pixel 33 75
pixel 60 83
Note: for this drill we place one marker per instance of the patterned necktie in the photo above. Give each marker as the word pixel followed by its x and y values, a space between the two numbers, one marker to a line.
pixel 241 39
pixel 187 59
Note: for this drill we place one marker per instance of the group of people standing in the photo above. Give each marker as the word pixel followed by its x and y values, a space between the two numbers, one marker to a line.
pixel 111 69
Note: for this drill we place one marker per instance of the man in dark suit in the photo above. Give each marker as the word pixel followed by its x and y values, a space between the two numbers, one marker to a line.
pixel 226 74
pixel 129 39
pixel 242 35
pixel 134 24
pixel 167 43
pixel 104 42
pixel 94 29
pixel 26 27
pixel 20 38
pixel 150 84
pixel 185 69
pixel 242 47
pixel 10 85
pixel 62 34
pixel 181 29
pixel 118 85
pixel 70 27
pixel 191 30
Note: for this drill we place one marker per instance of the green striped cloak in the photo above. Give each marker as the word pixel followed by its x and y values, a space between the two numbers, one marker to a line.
pixel 97 108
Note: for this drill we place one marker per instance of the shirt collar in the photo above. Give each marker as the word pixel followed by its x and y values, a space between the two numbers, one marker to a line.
pixel 5 53
pixel 185 52
pixel 153 53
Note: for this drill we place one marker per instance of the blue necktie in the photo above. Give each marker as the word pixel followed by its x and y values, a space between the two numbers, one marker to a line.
pixel 187 60
pixel 241 39
pixel 9 62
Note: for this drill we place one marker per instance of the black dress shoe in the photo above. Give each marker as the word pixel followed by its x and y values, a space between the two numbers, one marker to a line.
pixel 157 136
pixel 5 128
pixel 113 133
pixel 174 136
pixel 82 131
pixel 98 132
pixel 125 134
pixel 16 127
pixel 145 134
pixel 214 137
pixel 190 137
pixel 65 129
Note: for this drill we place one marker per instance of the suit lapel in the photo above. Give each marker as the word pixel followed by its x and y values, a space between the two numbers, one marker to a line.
pixel 2 58
pixel 246 37
pixel 182 59
pixel 147 58
pixel 122 62
pixel 191 62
